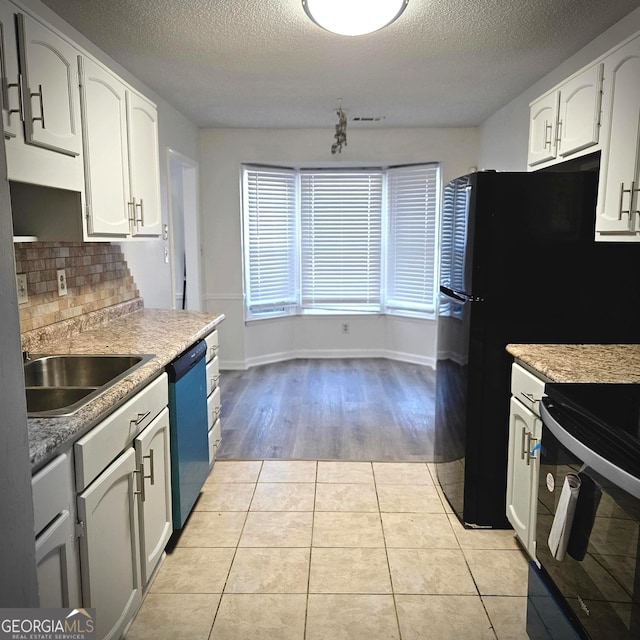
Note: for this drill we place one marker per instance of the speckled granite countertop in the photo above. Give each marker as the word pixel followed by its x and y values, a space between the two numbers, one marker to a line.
pixel 164 333
pixel 604 363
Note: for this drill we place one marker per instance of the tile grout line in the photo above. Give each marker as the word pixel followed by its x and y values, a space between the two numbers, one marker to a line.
pixel 224 586
pixel 386 553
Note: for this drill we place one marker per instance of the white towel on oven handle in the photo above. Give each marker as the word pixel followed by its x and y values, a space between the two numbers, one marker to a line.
pixel 563 520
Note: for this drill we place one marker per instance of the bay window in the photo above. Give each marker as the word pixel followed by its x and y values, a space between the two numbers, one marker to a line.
pixel 340 240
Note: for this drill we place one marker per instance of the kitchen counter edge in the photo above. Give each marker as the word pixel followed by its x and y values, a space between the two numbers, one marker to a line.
pixel 581 363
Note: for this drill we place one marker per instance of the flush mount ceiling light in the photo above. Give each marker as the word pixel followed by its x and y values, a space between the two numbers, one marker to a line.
pixel 353 17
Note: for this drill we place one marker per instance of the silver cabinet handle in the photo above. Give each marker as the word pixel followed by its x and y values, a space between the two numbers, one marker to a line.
pixel 558 132
pixel 216 413
pixel 131 208
pixel 20 109
pixel 214 380
pixel 532 449
pixel 39 94
pixel 139 418
pixel 528 448
pixel 140 482
pixel 152 473
pixel 140 220
pixel 547 128
pixel 529 396
pixel 523 449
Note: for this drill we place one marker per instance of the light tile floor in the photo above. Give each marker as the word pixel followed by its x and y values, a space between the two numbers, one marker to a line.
pixel 304 550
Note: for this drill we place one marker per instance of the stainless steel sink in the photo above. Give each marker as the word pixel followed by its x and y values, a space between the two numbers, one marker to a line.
pixel 59 385
pixel 44 400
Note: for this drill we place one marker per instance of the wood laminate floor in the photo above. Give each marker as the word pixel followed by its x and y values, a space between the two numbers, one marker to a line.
pixel 338 409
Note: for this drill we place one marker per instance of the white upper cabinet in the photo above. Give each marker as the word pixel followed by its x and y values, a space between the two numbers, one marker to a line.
pixel 49 88
pixel 566 120
pixel 542 124
pixel 618 211
pixel 104 119
pixel 579 118
pixel 10 92
pixel 121 156
pixel 142 118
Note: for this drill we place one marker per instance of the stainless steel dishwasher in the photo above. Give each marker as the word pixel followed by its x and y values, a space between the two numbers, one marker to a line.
pixel 188 425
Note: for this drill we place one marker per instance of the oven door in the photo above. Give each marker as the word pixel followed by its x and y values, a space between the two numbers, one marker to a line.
pixel 594 573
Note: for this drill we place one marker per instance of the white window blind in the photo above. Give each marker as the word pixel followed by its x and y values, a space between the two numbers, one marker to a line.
pixel 341 236
pixel 413 204
pixel 270 241
pixel 453 239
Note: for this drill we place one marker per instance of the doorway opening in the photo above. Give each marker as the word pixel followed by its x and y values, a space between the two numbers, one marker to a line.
pixel 184 232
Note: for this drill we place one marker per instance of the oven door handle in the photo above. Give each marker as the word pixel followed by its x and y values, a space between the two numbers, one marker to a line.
pixel 604 467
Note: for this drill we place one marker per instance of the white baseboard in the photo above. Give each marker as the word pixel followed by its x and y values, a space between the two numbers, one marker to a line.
pixel 327 353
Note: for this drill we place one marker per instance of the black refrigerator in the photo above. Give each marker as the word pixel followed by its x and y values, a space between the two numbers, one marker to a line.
pixel 518 264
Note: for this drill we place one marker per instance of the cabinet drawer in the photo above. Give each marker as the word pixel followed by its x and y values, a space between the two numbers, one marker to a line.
pixel 215 438
pixel 102 444
pixel 212 345
pixel 51 491
pixel 213 375
pixel 213 407
pixel 526 387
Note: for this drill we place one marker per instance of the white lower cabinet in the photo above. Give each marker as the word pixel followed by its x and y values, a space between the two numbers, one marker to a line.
pixel 154 504
pixel 55 562
pixel 56 547
pixel 123 480
pixel 109 548
pixel 525 431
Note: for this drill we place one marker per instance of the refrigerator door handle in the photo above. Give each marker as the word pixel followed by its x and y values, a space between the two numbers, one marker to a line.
pixel 459 296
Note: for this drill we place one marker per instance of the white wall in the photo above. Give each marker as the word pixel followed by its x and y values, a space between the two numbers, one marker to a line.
pixel 504 136
pixel 222 151
pixel 144 257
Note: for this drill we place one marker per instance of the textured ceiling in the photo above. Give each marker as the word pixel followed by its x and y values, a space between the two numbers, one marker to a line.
pixel 263 63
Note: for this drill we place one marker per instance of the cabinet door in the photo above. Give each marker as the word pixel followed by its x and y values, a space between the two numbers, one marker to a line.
pixel 154 505
pixel 56 566
pixel 522 472
pixel 580 102
pixel 106 164
pixel 50 88
pixel 144 165
pixel 542 125
pixel 10 90
pixel 618 198
pixel 109 549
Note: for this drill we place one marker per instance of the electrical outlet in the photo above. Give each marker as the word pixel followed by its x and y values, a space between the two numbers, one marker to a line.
pixel 62 282
pixel 21 284
pixel 345 327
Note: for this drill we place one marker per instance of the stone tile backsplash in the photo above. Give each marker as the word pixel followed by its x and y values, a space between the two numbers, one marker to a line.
pixel 97 277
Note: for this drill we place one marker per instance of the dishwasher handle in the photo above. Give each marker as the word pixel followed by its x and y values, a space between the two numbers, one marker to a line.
pixel 186 361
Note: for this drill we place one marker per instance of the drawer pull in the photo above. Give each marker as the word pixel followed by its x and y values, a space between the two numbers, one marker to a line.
pixel 530 397
pixel 523 448
pixel 214 380
pixel 140 418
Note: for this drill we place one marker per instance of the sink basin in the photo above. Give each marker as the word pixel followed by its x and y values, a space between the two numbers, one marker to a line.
pixel 42 400
pixel 59 385
pixel 76 371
